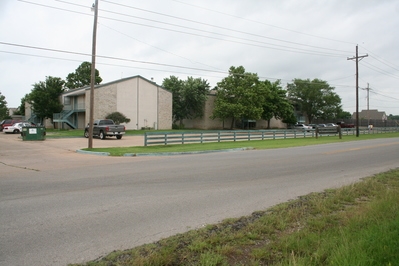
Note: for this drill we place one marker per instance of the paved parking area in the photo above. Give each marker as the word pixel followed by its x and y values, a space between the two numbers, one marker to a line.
pixel 55 153
pixel 76 143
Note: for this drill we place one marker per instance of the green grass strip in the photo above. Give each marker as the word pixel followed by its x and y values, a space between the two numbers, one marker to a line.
pixel 255 144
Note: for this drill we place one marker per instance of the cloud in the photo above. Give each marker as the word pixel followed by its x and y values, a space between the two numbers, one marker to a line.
pixel 276 39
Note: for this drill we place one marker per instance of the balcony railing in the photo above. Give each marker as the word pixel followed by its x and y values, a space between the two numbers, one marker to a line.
pixel 75 107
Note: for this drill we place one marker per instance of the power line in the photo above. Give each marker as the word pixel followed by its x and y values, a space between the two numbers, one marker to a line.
pixel 265 45
pixel 288 49
pixel 379 70
pixel 107 57
pixel 211 25
pixel 103 63
pixel 160 49
pixel 383 61
pixel 119 32
pixel 270 25
pixel 388 96
pixel 128 60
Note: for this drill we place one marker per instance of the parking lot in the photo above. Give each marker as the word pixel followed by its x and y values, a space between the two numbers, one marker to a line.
pixel 55 153
pixel 73 144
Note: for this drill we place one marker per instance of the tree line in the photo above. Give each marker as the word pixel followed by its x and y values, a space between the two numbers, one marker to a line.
pixel 240 95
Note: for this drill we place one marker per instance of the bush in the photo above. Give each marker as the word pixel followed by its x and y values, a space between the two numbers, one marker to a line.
pixel 118 118
pixel 176 126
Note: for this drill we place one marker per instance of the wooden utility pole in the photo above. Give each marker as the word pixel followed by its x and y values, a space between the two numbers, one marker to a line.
pixel 357 58
pixel 368 105
pixel 93 76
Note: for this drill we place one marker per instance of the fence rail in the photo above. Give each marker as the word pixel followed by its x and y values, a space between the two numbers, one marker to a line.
pixel 172 137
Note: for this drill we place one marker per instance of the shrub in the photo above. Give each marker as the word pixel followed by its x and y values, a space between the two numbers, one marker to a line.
pixel 118 118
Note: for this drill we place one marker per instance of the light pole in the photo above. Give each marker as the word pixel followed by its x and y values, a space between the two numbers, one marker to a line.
pixel 92 77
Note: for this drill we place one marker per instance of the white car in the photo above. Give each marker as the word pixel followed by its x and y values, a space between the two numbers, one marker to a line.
pixel 302 126
pixel 16 128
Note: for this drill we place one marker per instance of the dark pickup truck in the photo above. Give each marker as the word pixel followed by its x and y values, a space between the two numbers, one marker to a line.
pixel 103 128
pixel 345 125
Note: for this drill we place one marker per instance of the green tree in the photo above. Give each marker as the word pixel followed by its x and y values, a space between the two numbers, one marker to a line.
pixel 3 107
pixel 189 97
pixel 44 97
pixel 82 76
pixel 118 118
pixel 276 104
pixel 239 96
pixel 344 115
pixel 316 99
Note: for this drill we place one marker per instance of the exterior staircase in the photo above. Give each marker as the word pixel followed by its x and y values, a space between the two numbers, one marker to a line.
pixel 64 117
pixel 34 119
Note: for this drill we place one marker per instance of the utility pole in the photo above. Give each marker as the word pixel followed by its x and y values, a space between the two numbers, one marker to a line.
pixel 92 77
pixel 368 104
pixel 357 58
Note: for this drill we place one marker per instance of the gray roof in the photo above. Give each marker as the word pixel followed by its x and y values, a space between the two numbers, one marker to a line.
pixel 79 91
pixel 370 114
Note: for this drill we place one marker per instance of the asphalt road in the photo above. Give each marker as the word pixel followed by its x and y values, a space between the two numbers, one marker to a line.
pixel 58 206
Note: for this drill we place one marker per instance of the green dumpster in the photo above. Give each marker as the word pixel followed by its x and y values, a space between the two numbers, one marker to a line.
pixel 33 133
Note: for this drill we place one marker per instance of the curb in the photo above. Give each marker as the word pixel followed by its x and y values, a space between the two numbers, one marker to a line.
pixel 163 153
pixel 93 153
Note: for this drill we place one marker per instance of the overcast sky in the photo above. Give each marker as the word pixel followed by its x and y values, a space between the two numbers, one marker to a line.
pixel 277 39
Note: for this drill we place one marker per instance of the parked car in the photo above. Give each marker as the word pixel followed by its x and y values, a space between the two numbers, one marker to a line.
pixel 105 128
pixel 345 125
pixel 7 123
pixel 321 125
pixel 312 126
pixel 17 127
pixel 302 126
pixel 331 125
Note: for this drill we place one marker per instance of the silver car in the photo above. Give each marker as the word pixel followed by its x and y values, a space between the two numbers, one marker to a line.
pixel 302 126
pixel 331 125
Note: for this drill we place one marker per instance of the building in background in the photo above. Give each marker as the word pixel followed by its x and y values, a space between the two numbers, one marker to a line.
pixel 145 103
